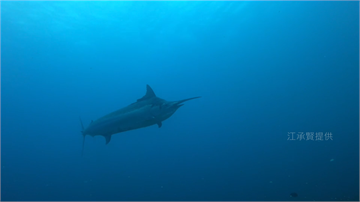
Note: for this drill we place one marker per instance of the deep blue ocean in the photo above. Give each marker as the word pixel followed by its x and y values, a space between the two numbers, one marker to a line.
pixel 278 118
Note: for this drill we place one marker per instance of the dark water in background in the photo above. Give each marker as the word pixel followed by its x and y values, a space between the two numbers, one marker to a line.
pixel 263 69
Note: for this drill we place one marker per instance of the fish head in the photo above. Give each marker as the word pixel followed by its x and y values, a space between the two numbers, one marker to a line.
pixel 167 109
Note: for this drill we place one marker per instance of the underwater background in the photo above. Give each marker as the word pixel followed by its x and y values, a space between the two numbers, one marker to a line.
pixel 271 76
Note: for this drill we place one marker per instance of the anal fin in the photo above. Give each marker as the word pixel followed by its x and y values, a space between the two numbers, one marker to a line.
pixel 159 124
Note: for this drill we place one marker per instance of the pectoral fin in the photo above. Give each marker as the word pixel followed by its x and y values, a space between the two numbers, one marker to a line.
pixel 107 138
pixel 154 119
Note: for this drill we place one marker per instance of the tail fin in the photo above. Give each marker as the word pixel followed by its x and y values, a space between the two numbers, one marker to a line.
pixel 82 127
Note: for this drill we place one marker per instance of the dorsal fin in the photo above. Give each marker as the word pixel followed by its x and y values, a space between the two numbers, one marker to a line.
pixel 149 94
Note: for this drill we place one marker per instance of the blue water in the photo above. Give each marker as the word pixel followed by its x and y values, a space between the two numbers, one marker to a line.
pixel 263 69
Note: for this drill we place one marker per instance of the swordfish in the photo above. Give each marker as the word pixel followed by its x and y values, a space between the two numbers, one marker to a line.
pixel 146 111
